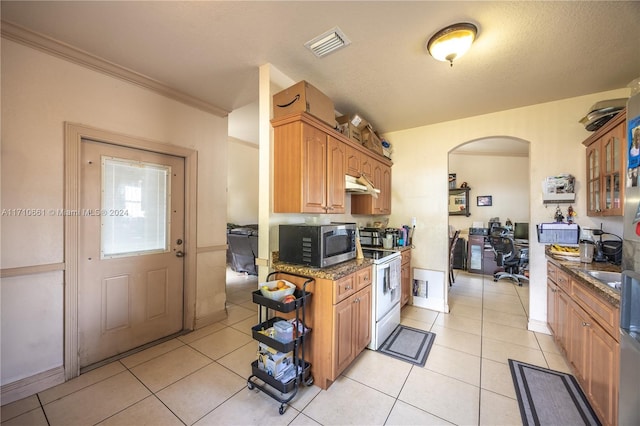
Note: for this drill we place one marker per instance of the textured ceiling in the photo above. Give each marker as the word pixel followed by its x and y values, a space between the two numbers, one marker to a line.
pixel 526 52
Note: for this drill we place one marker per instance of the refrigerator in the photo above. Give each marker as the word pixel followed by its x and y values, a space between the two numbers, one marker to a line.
pixel 629 393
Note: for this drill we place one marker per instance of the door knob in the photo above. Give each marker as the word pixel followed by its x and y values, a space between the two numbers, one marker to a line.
pixel 179 253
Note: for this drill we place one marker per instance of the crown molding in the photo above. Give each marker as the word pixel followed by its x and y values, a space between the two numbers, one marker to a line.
pixel 69 53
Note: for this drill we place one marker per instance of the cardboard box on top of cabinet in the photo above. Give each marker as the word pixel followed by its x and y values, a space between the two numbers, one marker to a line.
pixel 351 126
pixel 303 97
pixel 371 141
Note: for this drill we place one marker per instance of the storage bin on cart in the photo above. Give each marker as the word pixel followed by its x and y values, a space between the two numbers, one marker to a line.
pixel 273 362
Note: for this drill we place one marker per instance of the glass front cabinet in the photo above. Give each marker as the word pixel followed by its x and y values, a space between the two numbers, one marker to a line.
pixel 606 155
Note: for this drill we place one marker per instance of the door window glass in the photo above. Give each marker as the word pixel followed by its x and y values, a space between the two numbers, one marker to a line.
pixel 135 208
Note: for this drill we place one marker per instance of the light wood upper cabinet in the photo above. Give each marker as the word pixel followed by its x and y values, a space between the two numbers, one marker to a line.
pixel 310 163
pixel 380 175
pixel 606 157
pixel 309 170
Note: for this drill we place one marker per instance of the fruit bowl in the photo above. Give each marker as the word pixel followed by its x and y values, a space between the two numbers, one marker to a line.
pixel 271 290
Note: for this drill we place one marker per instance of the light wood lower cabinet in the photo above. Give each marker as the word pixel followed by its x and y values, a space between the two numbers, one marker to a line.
pixel 405 278
pixel 352 322
pixel 583 326
pixel 339 316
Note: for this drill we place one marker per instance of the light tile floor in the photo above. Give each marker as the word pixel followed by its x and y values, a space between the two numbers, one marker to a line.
pixel 200 378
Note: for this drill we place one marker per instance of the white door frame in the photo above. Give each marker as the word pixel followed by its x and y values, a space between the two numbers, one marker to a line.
pixel 73 140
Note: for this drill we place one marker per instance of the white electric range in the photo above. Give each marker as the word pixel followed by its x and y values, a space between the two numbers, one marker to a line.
pixel 385 303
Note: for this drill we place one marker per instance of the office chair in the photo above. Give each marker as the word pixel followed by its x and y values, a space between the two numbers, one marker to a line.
pixel 452 247
pixel 513 261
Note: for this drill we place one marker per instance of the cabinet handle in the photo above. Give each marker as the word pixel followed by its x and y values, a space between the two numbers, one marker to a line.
pixel 356 300
pixel 586 324
pixel 348 287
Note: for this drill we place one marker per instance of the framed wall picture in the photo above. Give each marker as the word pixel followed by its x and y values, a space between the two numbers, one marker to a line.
pixel 485 200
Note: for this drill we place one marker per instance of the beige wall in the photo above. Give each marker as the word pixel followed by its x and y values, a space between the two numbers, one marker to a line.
pixel 242 182
pixel 39 93
pixel 420 172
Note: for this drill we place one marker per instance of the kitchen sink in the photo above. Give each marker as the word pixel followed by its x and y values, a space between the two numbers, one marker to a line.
pixel 612 279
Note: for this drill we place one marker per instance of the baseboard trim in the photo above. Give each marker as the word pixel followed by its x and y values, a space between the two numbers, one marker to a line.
pixel 538 326
pixel 31 385
pixel 210 319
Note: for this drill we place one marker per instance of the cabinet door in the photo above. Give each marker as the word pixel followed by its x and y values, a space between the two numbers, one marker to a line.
pixel 314 170
pixel 354 168
pixel 593 179
pixel 336 161
pixel 344 335
pixel 476 248
pixel 552 306
pixel 562 319
pixel 405 283
pixel 603 374
pixel 385 189
pixel 362 321
pixel 578 347
pixel 367 164
pixel 612 171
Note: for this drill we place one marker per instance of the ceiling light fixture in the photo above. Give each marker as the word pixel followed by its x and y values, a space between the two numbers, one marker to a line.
pixel 328 42
pixel 452 42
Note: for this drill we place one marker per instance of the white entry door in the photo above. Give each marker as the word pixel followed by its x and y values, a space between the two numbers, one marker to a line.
pixel 131 265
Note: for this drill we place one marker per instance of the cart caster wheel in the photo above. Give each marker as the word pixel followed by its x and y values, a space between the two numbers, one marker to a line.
pixel 309 381
pixel 250 385
pixel 495 280
pixel 282 409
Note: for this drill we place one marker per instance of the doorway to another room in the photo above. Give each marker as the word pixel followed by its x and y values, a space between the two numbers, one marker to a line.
pixel 492 175
pixel 242 217
pixel 129 229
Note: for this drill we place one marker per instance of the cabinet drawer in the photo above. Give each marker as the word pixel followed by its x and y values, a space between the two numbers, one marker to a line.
pixel 605 314
pixel 363 278
pixel 552 271
pixel 344 288
pixel 406 256
pixel 562 279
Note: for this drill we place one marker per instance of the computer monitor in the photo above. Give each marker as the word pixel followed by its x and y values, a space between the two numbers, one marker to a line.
pixel 521 231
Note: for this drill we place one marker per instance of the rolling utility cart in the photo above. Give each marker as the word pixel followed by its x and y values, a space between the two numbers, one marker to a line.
pixel 281 364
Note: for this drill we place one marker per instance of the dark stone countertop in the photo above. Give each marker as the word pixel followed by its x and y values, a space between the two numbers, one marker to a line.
pixel 578 271
pixel 332 273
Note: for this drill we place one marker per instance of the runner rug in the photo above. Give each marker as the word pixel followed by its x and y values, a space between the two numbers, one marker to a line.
pixel 408 344
pixel 548 397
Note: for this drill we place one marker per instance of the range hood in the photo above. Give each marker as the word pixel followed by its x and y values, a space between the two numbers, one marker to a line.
pixel 360 185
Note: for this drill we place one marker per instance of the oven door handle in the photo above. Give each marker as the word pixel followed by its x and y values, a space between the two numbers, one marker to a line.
pixel 386 285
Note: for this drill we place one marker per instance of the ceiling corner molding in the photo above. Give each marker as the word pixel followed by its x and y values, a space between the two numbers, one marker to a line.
pixel 69 53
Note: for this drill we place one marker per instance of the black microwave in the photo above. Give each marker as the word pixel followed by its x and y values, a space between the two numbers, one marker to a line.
pixel 317 245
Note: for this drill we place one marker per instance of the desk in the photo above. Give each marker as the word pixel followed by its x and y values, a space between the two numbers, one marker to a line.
pixel 481 258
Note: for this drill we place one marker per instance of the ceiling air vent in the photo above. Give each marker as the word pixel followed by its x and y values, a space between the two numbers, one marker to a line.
pixel 328 42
